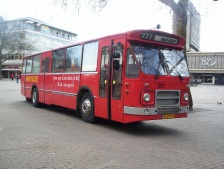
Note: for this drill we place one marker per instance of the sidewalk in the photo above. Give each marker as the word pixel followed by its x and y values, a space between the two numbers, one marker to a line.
pixel 208 96
pixel 9 84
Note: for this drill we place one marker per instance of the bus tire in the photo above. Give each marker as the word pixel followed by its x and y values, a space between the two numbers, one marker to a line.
pixel 87 108
pixel 35 98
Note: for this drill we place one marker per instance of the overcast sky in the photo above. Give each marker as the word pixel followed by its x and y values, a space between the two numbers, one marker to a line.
pixel 119 16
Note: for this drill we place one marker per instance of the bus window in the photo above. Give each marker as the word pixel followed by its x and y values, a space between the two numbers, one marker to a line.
pixel 36 64
pixel 58 60
pixel 24 66
pixel 73 58
pixel 104 72
pixel 29 65
pixel 45 64
pixel 132 69
pixel 90 53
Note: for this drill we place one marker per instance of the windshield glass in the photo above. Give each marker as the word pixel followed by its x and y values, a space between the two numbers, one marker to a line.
pixel 160 62
pixel 149 60
pixel 176 63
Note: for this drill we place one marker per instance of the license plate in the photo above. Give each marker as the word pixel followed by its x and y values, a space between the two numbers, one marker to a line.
pixel 168 116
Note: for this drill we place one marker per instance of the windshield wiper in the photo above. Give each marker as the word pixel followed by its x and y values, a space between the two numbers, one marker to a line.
pixel 176 64
pixel 173 68
pixel 161 63
pixel 157 72
pixel 179 75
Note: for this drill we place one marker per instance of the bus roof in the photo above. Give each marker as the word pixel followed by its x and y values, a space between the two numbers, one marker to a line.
pixel 163 38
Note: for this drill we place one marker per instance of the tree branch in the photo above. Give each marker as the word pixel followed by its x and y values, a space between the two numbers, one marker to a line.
pixel 171 3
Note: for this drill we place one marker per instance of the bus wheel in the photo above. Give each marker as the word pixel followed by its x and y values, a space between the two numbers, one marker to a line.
pixel 87 108
pixel 35 98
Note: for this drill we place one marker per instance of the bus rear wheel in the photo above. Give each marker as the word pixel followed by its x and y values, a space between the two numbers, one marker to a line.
pixel 35 98
pixel 87 108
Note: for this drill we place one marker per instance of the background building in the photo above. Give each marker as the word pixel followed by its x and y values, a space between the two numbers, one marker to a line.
pixel 193 28
pixel 206 67
pixel 42 36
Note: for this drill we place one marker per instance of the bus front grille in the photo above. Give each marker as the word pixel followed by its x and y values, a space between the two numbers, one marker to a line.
pixel 167 101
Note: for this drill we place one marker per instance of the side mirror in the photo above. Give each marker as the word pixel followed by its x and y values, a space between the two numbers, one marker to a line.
pixel 116 55
pixel 116 65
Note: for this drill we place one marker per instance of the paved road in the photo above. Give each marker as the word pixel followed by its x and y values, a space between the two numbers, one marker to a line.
pixel 52 137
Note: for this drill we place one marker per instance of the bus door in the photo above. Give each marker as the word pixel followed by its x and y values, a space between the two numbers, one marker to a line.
pixel 46 78
pixel 110 102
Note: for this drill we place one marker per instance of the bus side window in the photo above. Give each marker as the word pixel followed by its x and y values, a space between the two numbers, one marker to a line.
pixel 90 53
pixel 24 66
pixel 36 64
pixel 132 69
pixel 29 63
pixel 73 58
pixel 45 65
pixel 58 60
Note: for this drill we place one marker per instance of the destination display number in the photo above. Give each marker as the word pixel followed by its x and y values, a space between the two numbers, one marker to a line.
pixel 158 38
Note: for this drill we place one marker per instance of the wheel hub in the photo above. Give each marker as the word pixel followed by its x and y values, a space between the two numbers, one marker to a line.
pixel 34 97
pixel 86 107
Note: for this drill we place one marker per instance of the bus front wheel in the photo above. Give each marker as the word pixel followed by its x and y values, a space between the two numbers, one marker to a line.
pixel 87 108
pixel 35 98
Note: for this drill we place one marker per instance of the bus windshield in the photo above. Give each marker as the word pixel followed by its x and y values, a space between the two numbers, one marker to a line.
pixel 155 61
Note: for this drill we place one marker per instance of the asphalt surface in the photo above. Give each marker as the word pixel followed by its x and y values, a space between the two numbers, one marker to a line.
pixel 53 137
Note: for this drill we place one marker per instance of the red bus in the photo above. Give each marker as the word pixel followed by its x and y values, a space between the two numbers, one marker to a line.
pixel 128 77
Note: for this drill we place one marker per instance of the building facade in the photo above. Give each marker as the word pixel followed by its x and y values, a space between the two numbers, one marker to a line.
pixel 206 67
pixel 41 35
pixel 192 30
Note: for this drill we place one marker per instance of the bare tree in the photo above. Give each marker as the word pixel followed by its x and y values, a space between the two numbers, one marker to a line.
pixel 12 41
pixel 76 4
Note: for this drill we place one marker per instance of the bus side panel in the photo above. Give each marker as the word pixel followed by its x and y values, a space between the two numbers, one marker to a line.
pixel 56 84
pixel 48 88
pixel 30 81
pixel 90 80
pixel 70 89
pixel 41 87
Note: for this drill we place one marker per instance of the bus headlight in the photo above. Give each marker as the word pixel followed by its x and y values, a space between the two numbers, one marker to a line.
pixel 186 97
pixel 146 97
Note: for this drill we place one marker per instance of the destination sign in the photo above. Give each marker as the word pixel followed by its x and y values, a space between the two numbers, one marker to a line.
pixel 158 38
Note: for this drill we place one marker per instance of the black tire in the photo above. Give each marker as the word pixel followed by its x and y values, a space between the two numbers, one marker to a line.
pixel 87 108
pixel 35 98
